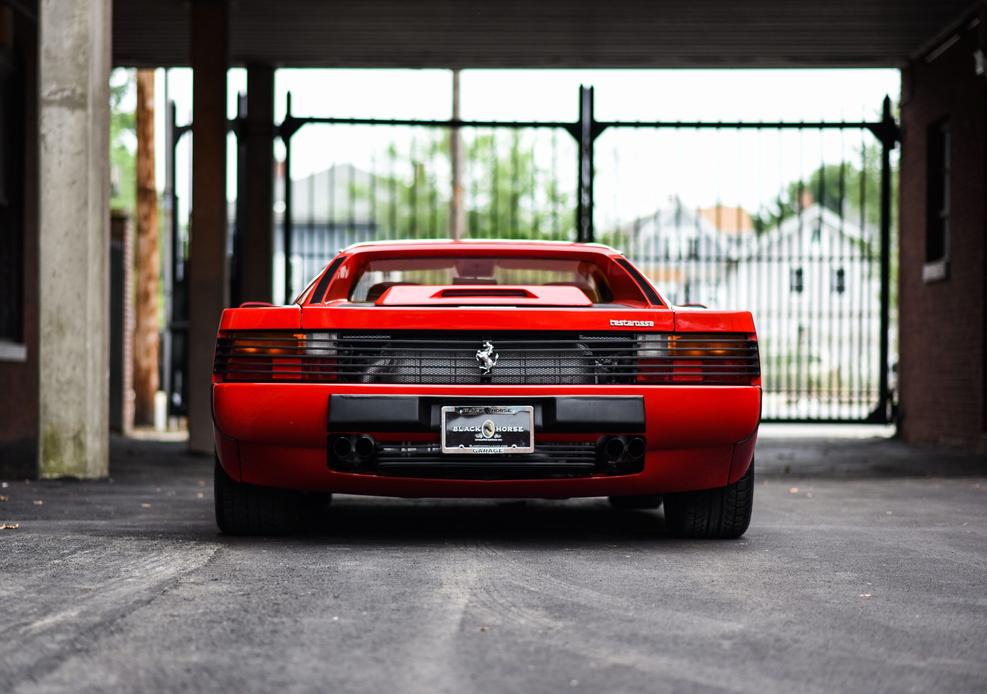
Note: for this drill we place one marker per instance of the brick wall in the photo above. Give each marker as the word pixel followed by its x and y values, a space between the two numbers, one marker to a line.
pixel 941 372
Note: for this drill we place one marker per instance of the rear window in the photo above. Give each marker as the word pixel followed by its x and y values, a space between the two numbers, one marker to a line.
pixel 377 275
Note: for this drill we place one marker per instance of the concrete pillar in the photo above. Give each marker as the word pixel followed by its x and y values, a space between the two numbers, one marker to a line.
pixel 207 271
pixel 256 247
pixel 74 238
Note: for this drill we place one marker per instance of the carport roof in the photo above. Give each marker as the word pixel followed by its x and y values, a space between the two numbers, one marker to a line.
pixel 545 34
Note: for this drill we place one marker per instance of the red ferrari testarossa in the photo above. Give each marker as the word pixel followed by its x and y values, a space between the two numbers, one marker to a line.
pixel 485 369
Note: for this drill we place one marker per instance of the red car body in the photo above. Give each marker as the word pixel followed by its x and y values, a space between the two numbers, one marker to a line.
pixel 286 387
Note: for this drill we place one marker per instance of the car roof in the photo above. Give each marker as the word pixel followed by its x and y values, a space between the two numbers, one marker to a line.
pixel 478 244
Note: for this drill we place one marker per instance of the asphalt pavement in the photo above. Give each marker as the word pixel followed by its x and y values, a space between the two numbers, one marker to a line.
pixel 865 569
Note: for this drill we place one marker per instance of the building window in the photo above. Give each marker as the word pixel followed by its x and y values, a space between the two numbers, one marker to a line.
pixel 796 281
pixel 937 240
pixel 839 280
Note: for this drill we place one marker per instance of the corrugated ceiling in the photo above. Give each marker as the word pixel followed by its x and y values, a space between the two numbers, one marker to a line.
pixel 550 33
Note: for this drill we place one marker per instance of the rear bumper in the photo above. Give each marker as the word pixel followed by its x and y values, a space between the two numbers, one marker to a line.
pixel 276 434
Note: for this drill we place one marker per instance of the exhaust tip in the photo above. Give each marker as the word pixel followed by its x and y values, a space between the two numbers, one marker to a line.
pixel 365 446
pixel 636 448
pixel 614 448
pixel 342 447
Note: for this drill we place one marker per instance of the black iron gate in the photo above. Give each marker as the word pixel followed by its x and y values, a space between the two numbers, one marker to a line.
pixel 814 265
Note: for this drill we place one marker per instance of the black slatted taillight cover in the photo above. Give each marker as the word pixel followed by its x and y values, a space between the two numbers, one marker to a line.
pixel 457 358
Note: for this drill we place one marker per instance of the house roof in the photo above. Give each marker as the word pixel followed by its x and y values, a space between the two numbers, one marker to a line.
pixel 728 219
pixel 813 219
pixel 678 221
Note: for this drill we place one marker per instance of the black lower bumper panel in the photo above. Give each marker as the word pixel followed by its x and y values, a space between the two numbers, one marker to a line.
pixel 602 414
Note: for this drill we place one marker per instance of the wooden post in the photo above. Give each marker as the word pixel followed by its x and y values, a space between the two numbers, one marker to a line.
pixel 457 213
pixel 146 339
pixel 255 252
pixel 207 284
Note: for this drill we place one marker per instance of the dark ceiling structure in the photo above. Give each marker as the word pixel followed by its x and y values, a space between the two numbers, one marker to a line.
pixel 545 34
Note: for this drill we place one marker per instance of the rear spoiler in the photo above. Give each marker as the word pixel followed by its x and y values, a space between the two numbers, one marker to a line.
pixel 483 295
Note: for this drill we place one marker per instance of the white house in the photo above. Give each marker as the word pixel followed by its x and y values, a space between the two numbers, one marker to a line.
pixel 813 285
pixel 681 249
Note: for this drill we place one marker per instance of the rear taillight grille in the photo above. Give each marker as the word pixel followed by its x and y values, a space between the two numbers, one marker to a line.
pixel 715 359
pixel 491 358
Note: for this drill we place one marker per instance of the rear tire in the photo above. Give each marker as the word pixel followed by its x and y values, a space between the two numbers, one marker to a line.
pixel 246 509
pixel 648 501
pixel 723 513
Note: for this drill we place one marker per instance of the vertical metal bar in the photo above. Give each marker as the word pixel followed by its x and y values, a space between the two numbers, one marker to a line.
pixel 800 303
pixel 286 135
pixel 474 206
pixel 310 237
pixel 887 142
pixel 431 182
pixel 371 227
pixel 331 229
pixel 759 285
pixel 584 188
pixel 414 188
pixel 554 186
pixel 171 274
pixel 393 212
pixel 837 337
pixel 817 262
pixel 239 211
pixel 863 303
pixel 512 211
pixel 352 200
pixel 495 192
pixel 534 227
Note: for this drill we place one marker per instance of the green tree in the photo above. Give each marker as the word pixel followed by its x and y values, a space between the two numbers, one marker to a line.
pixel 851 188
pixel 506 194
pixel 510 196
pixel 123 141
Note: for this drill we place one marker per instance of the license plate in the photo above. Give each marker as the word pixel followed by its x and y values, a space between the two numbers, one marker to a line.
pixel 488 429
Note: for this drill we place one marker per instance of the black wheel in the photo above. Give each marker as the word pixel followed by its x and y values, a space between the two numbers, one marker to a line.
pixel 721 513
pixel 647 501
pixel 246 509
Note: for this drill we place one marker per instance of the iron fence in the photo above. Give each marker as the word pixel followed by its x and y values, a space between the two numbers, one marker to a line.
pixel 806 248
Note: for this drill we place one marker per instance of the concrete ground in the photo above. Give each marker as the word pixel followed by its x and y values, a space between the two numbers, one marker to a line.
pixel 865 569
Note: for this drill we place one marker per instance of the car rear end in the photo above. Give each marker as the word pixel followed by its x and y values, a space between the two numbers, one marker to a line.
pixel 465 390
